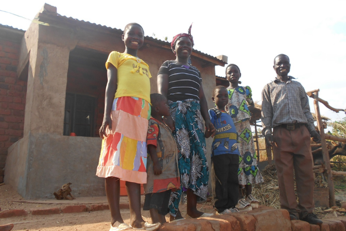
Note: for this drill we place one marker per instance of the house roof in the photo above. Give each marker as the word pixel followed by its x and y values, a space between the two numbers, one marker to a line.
pixel 49 15
pixel 10 31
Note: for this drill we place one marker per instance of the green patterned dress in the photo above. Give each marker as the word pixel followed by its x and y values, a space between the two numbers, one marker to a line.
pixel 239 98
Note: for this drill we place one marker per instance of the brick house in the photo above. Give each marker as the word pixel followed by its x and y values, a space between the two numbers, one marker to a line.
pixel 52 82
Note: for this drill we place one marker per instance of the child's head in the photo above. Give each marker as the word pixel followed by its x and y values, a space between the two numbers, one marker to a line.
pixel 282 65
pixel 133 36
pixel 159 105
pixel 220 96
pixel 233 73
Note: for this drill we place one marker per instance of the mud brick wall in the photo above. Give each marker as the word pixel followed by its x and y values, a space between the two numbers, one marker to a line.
pixel 12 94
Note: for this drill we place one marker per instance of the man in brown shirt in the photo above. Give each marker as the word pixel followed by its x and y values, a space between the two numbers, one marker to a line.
pixel 286 111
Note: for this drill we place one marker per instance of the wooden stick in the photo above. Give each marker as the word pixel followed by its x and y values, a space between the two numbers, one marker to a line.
pixel 269 153
pixel 325 153
pixel 313 94
pixel 339 173
pixel 316 150
pixel 330 137
pixel 315 145
pixel 257 145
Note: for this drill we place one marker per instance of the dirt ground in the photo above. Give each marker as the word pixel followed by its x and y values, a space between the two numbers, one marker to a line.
pixel 86 221
pixel 90 221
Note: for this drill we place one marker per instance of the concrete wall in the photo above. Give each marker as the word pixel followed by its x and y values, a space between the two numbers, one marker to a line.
pixel 49 160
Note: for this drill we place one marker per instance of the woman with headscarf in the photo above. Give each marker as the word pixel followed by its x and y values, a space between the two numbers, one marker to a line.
pixel 181 83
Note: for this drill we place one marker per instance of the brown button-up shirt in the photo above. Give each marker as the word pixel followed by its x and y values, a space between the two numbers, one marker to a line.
pixel 285 103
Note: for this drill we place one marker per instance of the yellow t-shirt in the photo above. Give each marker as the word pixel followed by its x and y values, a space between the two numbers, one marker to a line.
pixel 133 75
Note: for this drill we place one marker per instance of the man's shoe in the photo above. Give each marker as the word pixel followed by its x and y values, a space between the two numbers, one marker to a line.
pixel 312 219
pixel 293 217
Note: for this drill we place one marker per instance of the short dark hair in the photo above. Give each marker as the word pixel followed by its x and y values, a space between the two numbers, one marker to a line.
pixel 131 24
pixel 281 55
pixel 218 87
pixel 232 64
pixel 156 98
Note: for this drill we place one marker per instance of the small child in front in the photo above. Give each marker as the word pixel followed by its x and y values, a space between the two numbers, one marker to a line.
pixel 162 162
pixel 225 154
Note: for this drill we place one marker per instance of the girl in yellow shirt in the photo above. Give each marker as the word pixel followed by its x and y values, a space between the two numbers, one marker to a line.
pixel 124 128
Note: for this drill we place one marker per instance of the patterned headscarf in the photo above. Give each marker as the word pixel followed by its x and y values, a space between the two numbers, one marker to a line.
pixel 178 36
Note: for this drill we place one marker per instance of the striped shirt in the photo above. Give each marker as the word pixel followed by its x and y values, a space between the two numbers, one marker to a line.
pixel 285 103
pixel 184 81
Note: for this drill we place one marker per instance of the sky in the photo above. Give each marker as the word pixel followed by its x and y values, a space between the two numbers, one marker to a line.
pixel 250 33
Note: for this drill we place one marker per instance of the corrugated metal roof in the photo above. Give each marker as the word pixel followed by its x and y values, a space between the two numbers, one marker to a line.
pixel 99 26
pixel 11 28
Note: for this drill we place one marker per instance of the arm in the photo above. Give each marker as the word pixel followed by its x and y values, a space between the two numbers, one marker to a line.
pixel 111 87
pixel 267 115
pixel 155 159
pixel 249 99
pixel 209 133
pixel 204 112
pixel 162 84
pixel 306 110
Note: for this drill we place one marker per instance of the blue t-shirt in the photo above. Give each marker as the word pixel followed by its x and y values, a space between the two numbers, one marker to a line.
pixel 226 137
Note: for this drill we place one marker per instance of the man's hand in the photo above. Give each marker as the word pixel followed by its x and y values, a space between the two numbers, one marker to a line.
pixel 157 169
pixel 269 139
pixel 316 136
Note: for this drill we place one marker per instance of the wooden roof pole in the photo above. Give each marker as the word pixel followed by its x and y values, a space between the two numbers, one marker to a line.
pixel 324 149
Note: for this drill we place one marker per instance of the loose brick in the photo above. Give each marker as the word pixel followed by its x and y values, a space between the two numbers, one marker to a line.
pixel 7 227
pixel 217 223
pixel 325 226
pixel 74 209
pixel 335 225
pixel 235 224
pixel 314 227
pixel 247 222
pixel 124 206
pixel 45 211
pixel 271 219
pixel 13 213
pixel 188 225
pixel 98 207
pixel 300 225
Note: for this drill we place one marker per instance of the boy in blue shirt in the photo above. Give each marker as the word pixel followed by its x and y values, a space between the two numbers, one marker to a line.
pixel 225 154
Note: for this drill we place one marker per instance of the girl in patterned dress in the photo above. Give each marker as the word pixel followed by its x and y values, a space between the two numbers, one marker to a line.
pixel 240 107
pixel 181 83
pixel 124 129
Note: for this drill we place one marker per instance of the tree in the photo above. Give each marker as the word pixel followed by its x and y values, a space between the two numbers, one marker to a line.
pixel 339 128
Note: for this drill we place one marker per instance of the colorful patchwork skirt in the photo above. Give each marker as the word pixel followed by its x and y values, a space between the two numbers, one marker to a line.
pixel 124 150
pixel 248 172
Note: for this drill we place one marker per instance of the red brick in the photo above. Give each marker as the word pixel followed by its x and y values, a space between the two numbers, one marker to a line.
pixel 3 125
pixel 2 54
pixel 10 80
pixel 124 206
pixel 16 106
pixel 98 207
pixel 7 227
pixel 188 225
pixel 74 209
pixel 5 61
pixel 17 99
pixel 17 133
pixel 343 220
pixel 247 222
pixel 314 227
pixel 45 211
pixel 218 223
pixel 12 56
pixel 234 223
pixel 14 119
pixel 325 226
pixel 3 138
pixel 335 224
pixel 5 112
pixel 13 213
pixel 10 50
pixel 271 219
pixel 3 105
pixel 300 225
pixel 5 99
pixel 15 127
